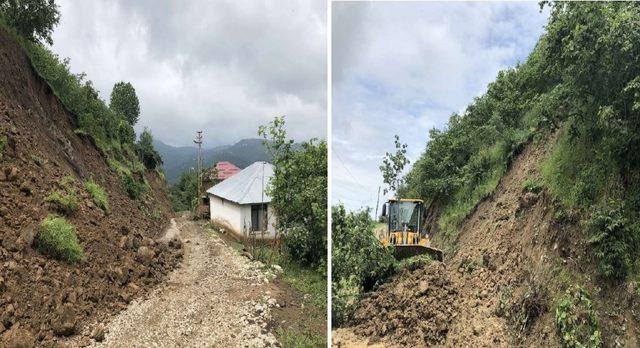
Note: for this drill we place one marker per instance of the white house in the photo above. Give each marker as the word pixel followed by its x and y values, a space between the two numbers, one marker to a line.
pixel 241 205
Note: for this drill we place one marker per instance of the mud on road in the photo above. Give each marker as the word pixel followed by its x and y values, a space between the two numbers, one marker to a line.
pixel 215 298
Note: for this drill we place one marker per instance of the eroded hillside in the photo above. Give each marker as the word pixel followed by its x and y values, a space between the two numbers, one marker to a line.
pixel 516 255
pixel 44 299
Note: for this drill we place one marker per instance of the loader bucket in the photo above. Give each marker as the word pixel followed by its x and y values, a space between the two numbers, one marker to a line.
pixel 406 251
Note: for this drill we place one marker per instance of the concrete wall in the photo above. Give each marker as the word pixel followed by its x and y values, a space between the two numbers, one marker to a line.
pixel 237 218
pixel 226 213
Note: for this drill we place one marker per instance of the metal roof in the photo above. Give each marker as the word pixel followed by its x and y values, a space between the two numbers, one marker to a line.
pixel 247 186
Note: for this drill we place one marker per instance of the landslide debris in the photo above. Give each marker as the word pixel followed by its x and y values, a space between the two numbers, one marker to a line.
pixel 415 309
pixel 44 300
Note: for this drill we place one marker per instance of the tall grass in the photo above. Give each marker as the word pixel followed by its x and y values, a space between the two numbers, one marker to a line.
pixel 57 238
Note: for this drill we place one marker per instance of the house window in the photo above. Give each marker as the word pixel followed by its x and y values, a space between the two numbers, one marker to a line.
pixel 258 217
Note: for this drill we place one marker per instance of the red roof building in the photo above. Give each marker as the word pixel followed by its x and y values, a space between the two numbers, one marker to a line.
pixel 226 170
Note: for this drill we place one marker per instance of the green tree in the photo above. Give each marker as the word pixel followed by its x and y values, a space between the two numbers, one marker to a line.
pixel 148 154
pixel 359 260
pixel 392 166
pixel 124 102
pixel 33 19
pixel 298 193
pixel 183 194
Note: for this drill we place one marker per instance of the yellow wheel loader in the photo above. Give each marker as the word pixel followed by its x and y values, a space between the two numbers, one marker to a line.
pixel 406 230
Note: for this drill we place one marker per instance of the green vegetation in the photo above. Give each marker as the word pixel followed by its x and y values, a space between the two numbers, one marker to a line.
pixel 57 238
pixel 64 201
pixel 613 238
pixel 304 339
pixel 37 160
pixel 33 19
pixel 132 187
pixel 98 194
pixel 392 166
pixel 360 262
pixel 532 184
pixel 577 321
pixel 110 128
pixel 124 102
pixel 298 191
pixel 595 49
pixel 183 194
pixel 582 81
pixel 307 281
pixel 149 156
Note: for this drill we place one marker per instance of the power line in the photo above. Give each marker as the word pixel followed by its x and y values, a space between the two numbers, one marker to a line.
pixel 356 181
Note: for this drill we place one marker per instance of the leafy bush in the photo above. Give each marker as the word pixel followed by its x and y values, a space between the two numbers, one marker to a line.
pixel 577 320
pixel 98 194
pixel 295 243
pixel 298 191
pixel 613 240
pixel 57 238
pixel 133 188
pixel 345 295
pixel 359 261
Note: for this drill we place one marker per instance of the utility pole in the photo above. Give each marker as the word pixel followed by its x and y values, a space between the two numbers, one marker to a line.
pixel 198 140
pixel 377 203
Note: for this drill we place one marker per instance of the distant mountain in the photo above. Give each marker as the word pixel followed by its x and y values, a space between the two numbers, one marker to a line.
pixel 178 159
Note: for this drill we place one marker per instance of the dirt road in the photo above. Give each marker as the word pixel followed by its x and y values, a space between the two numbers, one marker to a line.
pixel 215 298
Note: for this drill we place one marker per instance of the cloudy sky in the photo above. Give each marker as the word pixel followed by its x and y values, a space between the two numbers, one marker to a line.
pixel 224 67
pixel 404 68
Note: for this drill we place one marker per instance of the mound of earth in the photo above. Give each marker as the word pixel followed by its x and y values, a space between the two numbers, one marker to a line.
pixel 415 309
pixel 513 260
pixel 47 299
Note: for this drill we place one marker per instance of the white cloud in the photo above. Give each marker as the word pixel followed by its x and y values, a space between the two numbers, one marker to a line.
pixel 404 68
pixel 225 67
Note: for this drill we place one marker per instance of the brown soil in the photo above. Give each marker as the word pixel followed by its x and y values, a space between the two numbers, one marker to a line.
pixel 513 261
pixel 416 311
pixel 51 299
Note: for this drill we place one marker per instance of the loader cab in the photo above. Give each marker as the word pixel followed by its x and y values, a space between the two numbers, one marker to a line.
pixel 404 215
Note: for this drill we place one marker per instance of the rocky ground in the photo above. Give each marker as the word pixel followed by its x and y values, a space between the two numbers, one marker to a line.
pixel 216 298
pixel 43 300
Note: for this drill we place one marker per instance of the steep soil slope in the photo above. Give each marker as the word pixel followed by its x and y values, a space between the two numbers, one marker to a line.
pixel 499 289
pixel 40 296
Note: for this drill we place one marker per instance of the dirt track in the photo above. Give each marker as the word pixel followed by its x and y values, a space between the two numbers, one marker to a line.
pixel 215 298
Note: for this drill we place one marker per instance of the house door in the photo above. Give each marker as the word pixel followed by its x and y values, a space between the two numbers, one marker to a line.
pixel 258 217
